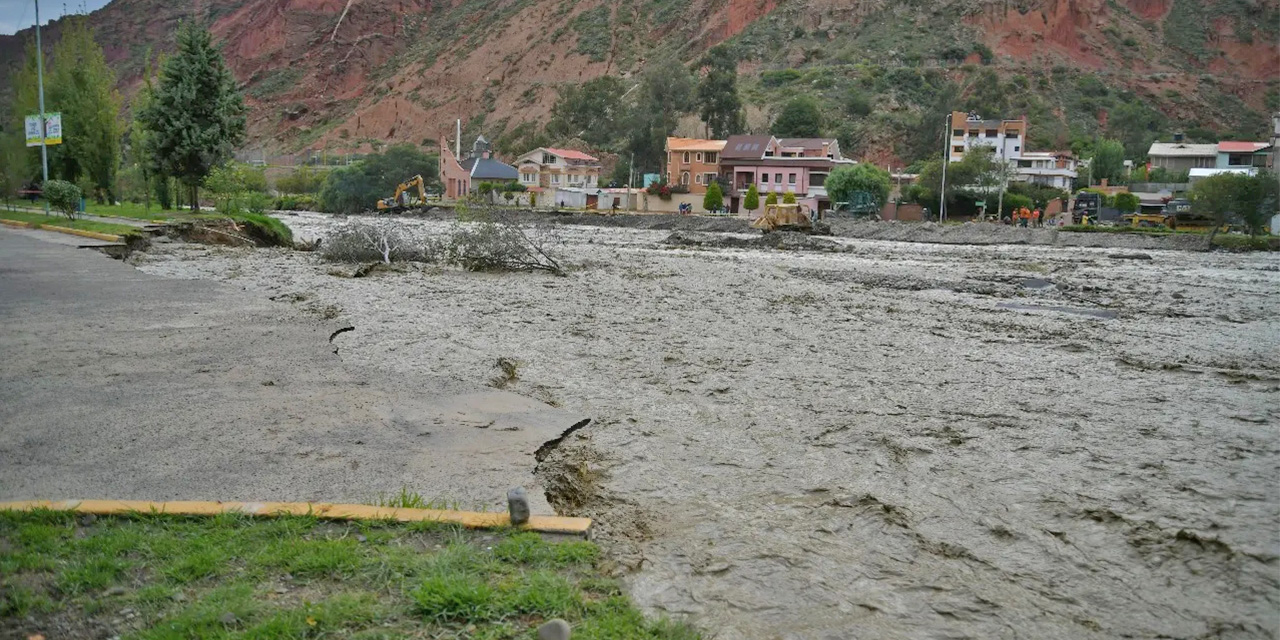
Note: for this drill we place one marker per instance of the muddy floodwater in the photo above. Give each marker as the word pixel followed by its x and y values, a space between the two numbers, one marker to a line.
pixel 893 441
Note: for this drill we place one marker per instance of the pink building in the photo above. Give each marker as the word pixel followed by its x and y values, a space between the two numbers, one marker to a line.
pixel 455 180
pixel 787 165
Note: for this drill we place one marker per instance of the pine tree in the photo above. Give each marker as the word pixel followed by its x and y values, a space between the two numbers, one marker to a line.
pixel 196 117
pixel 718 101
pixel 82 87
pixel 714 200
pixel 752 201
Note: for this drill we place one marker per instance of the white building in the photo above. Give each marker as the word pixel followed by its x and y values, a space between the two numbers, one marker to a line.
pixel 1055 169
pixel 969 131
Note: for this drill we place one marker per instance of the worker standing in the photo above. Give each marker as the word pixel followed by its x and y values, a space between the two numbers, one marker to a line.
pixel 1039 217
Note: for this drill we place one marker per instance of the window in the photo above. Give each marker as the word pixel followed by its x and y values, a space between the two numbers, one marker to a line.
pixel 697 179
pixel 959 133
pixel 973 133
pixel 548 159
pixel 992 133
pixel 526 177
pixel 698 157
pixel 555 178
pixel 957 149
pixel 684 177
pixel 712 157
pixel 686 157
pixel 817 179
pixel 1016 149
pixel 1012 134
pixel 791 178
pixel 764 178
pixel 708 178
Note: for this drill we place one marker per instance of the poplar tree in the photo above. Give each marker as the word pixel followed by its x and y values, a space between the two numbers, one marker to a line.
pixel 196 115
pixel 82 87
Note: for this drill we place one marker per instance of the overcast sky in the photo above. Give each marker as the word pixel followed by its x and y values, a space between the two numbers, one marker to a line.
pixel 16 15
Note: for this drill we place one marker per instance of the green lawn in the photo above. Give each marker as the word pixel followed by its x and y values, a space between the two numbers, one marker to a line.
pixel 62 221
pixel 131 210
pixel 169 577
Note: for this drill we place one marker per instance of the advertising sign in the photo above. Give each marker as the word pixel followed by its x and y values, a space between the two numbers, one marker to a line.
pixel 53 129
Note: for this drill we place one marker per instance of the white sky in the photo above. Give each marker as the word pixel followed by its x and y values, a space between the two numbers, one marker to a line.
pixel 16 15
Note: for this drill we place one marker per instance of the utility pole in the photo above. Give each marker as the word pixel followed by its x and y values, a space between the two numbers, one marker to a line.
pixel 946 160
pixel 44 148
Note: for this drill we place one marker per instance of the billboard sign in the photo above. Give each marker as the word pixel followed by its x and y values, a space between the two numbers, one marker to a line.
pixel 53 129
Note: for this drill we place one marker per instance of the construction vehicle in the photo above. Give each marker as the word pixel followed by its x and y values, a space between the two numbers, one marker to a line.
pixel 790 217
pixel 1179 216
pixel 403 199
pixel 861 206
pixel 1088 205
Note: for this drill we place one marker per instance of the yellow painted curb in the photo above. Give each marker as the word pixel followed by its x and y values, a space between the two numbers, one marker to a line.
pixel 15 223
pixel 106 237
pixel 469 519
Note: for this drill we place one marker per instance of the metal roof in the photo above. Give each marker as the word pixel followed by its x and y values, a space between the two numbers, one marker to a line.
pixel 1182 150
pixel 746 146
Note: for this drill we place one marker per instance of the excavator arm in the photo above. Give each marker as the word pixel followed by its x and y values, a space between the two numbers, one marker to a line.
pixel 398 200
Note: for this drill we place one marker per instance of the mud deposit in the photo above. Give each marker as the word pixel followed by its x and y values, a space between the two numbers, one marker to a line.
pixel 894 441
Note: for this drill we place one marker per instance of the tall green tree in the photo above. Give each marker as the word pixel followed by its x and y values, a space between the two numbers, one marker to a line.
pixel 752 200
pixel 1236 198
pixel 665 93
pixel 141 157
pixel 714 200
pixel 846 181
pixel 1108 161
pixel 592 111
pixel 22 164
pixel 800 118
pixel 196 118
pixel 961 176
pixel 82 87
pixel 718 101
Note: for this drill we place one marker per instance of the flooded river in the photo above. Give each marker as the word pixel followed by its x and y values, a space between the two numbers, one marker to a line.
pixel 898 441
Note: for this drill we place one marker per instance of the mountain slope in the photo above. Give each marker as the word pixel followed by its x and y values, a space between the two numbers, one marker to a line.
pixel 342 74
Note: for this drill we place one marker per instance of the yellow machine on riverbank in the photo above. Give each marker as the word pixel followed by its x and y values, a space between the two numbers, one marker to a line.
pixel 403 199
pixel 790 217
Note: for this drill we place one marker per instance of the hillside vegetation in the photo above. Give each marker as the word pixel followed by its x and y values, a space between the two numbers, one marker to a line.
pixel 884 73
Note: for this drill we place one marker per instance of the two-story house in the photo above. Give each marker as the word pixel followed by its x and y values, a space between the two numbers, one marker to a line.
pixel 1057 169
pixel 693 163
pixel 547 168
pixel 786 165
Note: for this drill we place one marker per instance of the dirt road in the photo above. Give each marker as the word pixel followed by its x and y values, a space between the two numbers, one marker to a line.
pixel 900 441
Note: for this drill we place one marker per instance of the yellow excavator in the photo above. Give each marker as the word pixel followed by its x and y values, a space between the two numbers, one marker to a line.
pixel 403 199
pixel 790 217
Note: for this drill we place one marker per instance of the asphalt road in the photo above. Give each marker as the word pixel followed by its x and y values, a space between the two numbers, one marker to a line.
pixel 117 384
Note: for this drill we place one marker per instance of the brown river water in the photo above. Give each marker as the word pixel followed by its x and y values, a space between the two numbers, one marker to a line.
pixel 893 441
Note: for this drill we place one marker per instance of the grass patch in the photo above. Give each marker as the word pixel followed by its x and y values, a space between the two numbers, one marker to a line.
pixel 39 220
pixel 132 210
pixel 233 576
pixel 262 228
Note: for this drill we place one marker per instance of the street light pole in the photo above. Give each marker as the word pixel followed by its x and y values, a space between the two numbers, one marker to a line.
pixel 44 149
pixel 946 160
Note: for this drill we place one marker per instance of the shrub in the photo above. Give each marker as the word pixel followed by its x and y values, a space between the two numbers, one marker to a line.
pixel 303 180
pixel 297 203
pixel 772 198
pixel 1127 202
pixel 1013 202
pixel 63 196
pixel 789 198
pixel 846 181
pixel 714 199
pixel 380 241
pixel 480 246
